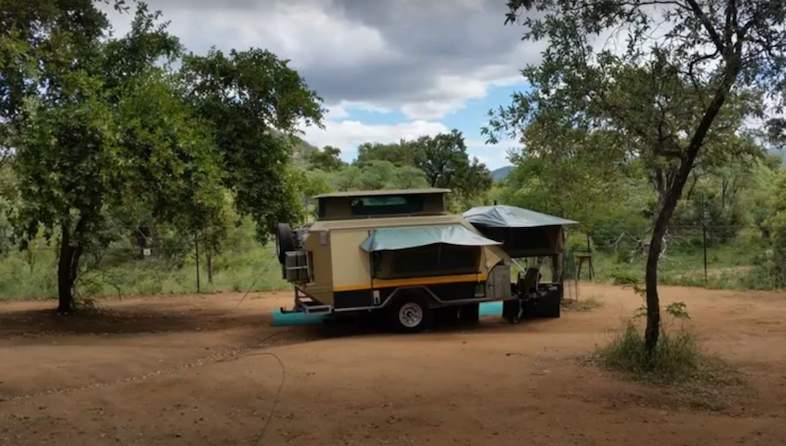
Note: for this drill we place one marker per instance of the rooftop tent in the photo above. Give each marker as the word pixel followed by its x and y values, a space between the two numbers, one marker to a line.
pixel 383 239
pixel 379 203
pixel 523 233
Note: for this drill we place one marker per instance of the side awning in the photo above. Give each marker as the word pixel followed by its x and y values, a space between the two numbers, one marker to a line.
pixel 502 216
pixel 413 236
pixel 523 233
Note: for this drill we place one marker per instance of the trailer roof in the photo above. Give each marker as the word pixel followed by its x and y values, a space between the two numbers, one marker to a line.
pixel 369 193
pixel 502 216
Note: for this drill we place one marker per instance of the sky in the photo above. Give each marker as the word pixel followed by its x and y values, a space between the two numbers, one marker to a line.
pixel 386 69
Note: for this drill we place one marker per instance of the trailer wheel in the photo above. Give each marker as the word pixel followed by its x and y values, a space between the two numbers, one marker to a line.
pixel 410 315
pixel 469 314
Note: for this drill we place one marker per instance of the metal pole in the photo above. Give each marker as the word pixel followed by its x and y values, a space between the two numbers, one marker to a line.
pixel 196 252
pixel 704 219
pixel 704 245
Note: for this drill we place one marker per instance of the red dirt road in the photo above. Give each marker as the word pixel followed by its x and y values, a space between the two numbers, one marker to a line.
pixel 199 370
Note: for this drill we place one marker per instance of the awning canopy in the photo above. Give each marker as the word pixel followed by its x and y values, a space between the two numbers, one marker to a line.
pixel 502 216
pixel 413 236
pixel 523 233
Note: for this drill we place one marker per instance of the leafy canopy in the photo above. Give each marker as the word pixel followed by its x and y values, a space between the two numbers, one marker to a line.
pixel 253 100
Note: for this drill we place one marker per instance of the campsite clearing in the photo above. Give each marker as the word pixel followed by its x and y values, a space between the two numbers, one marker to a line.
pixel 199 369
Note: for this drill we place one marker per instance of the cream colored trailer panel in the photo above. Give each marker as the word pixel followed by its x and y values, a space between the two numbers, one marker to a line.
pixel 317 243
pixel 352 264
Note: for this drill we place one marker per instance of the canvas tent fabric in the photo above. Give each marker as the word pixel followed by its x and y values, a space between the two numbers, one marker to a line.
pixel 413 236
pixel 502 216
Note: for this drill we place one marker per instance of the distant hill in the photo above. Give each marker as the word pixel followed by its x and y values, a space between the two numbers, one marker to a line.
pixel 301 150
pixel 501 173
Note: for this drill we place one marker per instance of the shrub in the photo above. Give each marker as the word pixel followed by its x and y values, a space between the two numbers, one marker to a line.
pixel 676 358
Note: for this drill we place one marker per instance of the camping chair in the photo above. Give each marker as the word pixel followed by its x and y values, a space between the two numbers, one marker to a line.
pixel 528 281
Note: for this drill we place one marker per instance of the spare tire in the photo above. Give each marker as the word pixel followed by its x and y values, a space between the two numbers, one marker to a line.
pixel 284 241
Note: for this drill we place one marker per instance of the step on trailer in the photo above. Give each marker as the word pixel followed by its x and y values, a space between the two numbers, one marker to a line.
pixel 400 252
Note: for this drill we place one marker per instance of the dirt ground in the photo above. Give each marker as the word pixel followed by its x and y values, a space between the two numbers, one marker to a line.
pixel 203 370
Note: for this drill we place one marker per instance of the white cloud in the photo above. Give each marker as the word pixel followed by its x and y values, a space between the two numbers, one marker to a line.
pixel 425 59
pixel 309 33
pixel 451 91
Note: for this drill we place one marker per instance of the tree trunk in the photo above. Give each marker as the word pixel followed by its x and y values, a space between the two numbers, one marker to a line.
pixel 669 203
pixel 67 269
pixel 209 263
pixel 196 257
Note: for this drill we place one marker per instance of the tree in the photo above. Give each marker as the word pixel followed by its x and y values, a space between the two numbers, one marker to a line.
pixel 400 154
pixel 444 160
pixel 578 175
pixel 376 174
pixel 668 93
pixel 776 225
pixel 327 159
pixel 253 101
pixel 99 125
pixel 61 97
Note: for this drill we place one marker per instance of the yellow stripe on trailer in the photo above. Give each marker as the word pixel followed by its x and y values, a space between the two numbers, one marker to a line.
pixel 413 281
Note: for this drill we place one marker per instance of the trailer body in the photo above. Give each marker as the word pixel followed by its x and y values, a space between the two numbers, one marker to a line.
pixel 401 252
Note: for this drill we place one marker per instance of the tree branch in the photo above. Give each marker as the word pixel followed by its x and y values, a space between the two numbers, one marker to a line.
pixel 705 21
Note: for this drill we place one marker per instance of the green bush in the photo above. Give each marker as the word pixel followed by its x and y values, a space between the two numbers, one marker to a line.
pixel 677 358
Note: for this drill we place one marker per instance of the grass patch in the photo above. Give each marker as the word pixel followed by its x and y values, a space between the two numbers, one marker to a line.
pixel 581 305
pixel 244 265
pixel 678 361
pixel 730 266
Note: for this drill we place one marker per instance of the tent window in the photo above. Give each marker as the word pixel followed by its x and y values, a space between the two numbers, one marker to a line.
pixel 431 260
pixel 381 205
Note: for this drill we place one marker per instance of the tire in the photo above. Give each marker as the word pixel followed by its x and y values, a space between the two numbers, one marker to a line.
pixel 469 314
pixel 513 311
pixel 410 315
pixel 285 241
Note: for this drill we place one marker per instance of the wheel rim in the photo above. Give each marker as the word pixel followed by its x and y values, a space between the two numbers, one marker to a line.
pixel 410 315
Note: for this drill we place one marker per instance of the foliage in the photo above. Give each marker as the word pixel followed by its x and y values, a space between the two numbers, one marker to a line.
pixel 241 265
pixel 775 256
pixel 375 174
pixel 400 154
pixel 444 160
pixel 669 99
pixel 108 141
pixel 677 358
pixel 326 159
pixel 250 98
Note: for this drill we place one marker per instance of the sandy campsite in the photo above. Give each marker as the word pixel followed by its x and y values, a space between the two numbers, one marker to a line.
pixel 201 369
